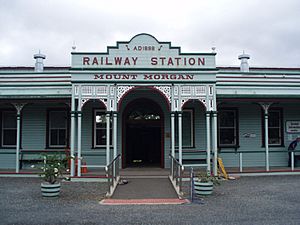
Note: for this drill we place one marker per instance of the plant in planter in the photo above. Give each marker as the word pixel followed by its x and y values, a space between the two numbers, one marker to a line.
pixel 52 170
pixel 204 184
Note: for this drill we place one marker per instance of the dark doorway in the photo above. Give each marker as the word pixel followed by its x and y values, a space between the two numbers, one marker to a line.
pixel 143 134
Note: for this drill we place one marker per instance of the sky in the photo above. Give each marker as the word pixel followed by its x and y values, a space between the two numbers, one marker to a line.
pixel 267 30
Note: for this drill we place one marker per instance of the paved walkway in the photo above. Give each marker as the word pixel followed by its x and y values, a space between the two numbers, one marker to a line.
pixel 145 188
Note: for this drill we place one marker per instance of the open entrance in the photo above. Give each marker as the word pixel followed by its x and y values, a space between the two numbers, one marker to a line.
pixel 143 129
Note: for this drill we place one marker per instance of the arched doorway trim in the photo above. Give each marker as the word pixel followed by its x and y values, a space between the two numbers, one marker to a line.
pixel 163 91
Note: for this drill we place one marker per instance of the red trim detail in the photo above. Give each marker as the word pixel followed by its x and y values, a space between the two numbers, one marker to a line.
pixel 256 68
pixel 254 100
pixel 150 201
pixel 89 176
pixel 33 81
pixel 257 81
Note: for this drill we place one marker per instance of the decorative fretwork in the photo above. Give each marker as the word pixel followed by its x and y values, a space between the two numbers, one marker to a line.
pixel 122 90
pixel 83 101
pixel 211 104
pixel 101 90
pixel 202 100
pixel 186 91
pixel 87 90
pixel 211 90
pixel 176 90
pixel 200 90
pixel 112 90
pixel 19 106
pixel 183 101
pixel 103 100
pixel 76 89
pixel 265 106
pixel 193 91
pixel 165 90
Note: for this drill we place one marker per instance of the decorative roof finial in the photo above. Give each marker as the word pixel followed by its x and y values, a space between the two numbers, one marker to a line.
pixel 244 62
pixel 39 64
pixel 74 46
pixel 213 49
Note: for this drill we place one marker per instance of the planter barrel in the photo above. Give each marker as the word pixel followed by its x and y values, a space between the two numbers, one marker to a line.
pixel 50 190
pixel 203 188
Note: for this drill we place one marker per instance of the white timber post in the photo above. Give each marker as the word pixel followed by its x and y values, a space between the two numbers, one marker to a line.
pixel 107 138
pixel 266 107
pixel 180 136
pixel 292 160
pixel 173 134
pixel 208 144
pixel 215 143
pixel 19 108
pixel 72 138
pixel 267 139
pixel 79 120
pixel 115 119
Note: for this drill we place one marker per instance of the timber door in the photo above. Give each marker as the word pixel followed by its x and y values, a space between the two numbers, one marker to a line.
pixel 143 142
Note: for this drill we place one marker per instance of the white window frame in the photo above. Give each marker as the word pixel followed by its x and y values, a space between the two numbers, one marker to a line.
pixel 2 129
pixel 95 128
pixel 49 129
pixel 279 111
pixel 235 127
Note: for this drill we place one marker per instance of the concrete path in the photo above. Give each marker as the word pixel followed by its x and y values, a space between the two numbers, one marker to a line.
pixel 145 188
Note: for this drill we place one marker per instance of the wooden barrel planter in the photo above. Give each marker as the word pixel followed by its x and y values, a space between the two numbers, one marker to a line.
pixel 203 188
pixel 50 190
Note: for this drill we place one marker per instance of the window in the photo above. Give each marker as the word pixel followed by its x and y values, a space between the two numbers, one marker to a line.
pixel 275 128
pixel 228 128
pixel 187 128
pixel 9 129
pixel 57 128
pixel 100 129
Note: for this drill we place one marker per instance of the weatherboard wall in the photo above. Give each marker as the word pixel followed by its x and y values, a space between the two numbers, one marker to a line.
pixel 250 122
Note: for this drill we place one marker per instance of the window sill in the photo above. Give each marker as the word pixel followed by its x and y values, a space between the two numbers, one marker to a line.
pixel 101 147
pixel 274 146
pixel 8 147
pixel 58 147
pixel 229 146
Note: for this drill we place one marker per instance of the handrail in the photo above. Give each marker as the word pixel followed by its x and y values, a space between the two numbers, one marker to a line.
pixel 173 158
pixel 112 174
pixel 177 170
pixel 240 153
pixel 256 151
pixel 113 160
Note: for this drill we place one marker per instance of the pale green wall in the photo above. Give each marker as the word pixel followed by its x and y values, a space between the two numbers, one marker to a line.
pixel 34 131
pixel 250 122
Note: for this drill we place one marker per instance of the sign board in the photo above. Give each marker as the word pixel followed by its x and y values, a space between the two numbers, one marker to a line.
pixel 293 126
pixel 249 135
pixel 143 51
pixel 117 77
